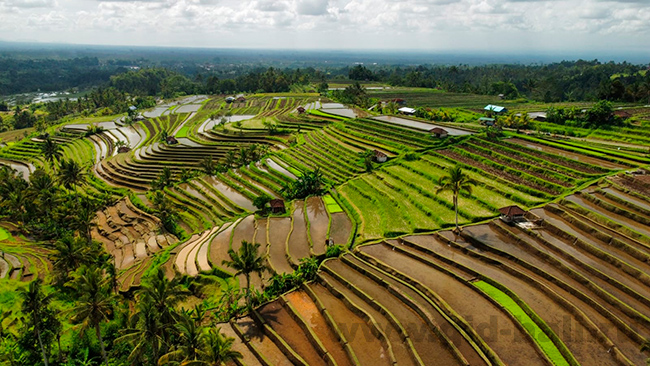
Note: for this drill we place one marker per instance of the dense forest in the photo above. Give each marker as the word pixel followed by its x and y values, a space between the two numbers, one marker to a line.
pixel 562 81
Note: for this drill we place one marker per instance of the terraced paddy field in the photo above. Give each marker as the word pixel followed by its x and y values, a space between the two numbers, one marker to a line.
pixel 570 291
pixel 569 287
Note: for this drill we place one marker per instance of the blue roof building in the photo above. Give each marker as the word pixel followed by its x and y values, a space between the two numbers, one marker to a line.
pixel 496 108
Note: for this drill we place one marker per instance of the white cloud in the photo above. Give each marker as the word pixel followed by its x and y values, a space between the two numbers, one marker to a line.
pixel 460 24
pixel 312 7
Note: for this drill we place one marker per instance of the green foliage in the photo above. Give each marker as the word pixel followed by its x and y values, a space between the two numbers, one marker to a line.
pixel 354 94
pixel 308 183
pixel 165 179
pixel 261 201
pixel 334 251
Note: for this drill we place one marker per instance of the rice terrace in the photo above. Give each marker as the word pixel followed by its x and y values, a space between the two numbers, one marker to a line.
pixel 357 224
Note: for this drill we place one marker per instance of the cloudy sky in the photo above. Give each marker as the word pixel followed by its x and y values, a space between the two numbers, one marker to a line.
pixel 484 25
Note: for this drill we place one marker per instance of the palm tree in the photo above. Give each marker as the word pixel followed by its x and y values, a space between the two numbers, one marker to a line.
pixel 51 150
pixel 68 254
pixel 216 350
pixel 35 304
pixel 208 165
pixel 189 341
pixel 246 261
pixel 457 182
pixel 95 304
pixel 230 158
pixel 71 174
pixel 145 331
pixel 164 294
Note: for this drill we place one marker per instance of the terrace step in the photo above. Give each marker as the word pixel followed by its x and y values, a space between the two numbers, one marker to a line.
pixel 394 331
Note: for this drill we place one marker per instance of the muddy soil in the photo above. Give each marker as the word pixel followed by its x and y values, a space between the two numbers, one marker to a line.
pixel 634 225
pixel 318 224
pixel 572 332
pixel 219 248
pixel 366 346
pixel 496 172
pixel 340 228
pixel 306 308
pixel 489 236
pixel 262 343
pixel 491 323
pixel 401 350
pixel 426 343
pixel 298 241
pixel 248 358
pixel 567 227
pixel 567 154
pixel 282 323
pixel 279 228
pixel 231 193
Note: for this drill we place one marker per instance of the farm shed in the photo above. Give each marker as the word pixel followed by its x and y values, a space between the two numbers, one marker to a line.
pixel 399 101
pixel 537 116
pixel 230 99
pixel 512 213
pixel 496 109
pixel 301 110
pixel 439 132
pixel 277 206
pixel 407 110
pixel 487 121
pixel 379 156
pixel 171 140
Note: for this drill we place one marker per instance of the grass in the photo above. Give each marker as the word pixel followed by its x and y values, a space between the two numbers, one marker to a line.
pixel 541 338
pixel 182 132
pixel 4 234
pixel 331 205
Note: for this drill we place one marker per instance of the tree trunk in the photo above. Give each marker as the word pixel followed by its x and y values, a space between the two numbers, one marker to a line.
pixel 40 343
pixel 58 341
pixel 101 342
pixel 456 210
pixel 248 290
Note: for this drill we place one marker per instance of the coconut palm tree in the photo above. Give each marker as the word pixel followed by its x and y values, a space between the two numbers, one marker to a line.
pixel 457 182
pixel 164 294
pixel 35 304
pixel 216 350
pixel 208 165
pixel 145 332
pixel 68 254
pixel 246 261
pixel 95 302
pixel 51 150
pixel 189 341
pixel 71 174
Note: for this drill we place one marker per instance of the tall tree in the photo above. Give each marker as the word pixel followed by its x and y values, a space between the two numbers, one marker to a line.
pixel 71 174
pixel 51 150
pixel 246 261
pixel 68 254
pixel 189 341
pixel 457 182
pixel 95 302
pixel 216 350
pixel 35 304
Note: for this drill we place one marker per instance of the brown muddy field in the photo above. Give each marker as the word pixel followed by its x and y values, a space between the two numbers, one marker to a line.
pixel 318 223
pixel 298 241
pixel 279 228
pixel 306 308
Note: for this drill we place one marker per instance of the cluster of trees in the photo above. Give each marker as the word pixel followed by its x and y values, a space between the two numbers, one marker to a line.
pixel 234 158
pixel 599 115
pixel 434 114
pixel 29 75
pixel 561 81
pixel 103 101
pixel 168 83
pixel 309 183
pixel 353 94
